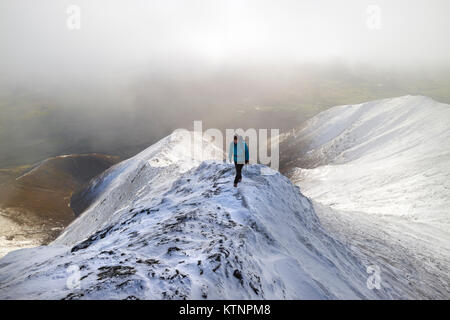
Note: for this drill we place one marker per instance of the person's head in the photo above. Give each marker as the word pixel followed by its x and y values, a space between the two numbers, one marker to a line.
pixel 235 139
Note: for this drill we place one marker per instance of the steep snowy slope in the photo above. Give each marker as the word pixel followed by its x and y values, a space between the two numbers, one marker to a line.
pixel 392 156
pixel 164 225
pixel 149 173
pixel 383 169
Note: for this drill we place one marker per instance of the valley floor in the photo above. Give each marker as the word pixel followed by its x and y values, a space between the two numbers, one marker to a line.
pixel 14 236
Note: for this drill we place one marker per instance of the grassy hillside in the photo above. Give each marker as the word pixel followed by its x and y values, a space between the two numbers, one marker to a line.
pixel 34 200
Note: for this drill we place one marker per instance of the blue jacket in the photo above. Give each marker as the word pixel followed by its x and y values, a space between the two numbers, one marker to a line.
pixel 238 151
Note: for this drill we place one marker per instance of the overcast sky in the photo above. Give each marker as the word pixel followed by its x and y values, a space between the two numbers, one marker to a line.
pixel 132 35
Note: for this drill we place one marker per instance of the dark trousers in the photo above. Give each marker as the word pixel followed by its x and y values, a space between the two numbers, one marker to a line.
pixel 238 167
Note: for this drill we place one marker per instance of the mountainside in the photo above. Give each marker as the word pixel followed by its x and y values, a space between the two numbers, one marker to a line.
pixel 34 200
pixel 388 157
pixel 379 174
pixel 166 225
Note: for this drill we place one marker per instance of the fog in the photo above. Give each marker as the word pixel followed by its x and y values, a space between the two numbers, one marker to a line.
pixel 129 36
pixel 136 70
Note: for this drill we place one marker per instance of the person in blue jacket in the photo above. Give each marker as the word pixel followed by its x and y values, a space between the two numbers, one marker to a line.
pixel 239 151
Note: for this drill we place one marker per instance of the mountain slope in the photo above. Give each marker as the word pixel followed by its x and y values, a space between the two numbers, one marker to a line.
pixel 379 173
pixel 34 200
pixel 164 225
pixel 45 189
pixel 387 157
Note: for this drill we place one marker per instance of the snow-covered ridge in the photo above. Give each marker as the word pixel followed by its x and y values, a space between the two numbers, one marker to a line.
pixel 390 157
pixel 181 230
pixel 148 173
pixel 378 174
pixel 373 130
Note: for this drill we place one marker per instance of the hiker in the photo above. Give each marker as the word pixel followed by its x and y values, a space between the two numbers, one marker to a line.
pixel 239 151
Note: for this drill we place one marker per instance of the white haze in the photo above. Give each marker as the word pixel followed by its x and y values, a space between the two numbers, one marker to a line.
pixel 119 38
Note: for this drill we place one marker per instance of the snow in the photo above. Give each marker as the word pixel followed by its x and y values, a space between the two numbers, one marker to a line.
pixel 12 236
pixel 168 225
pixel 129 180
pixel 382 169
